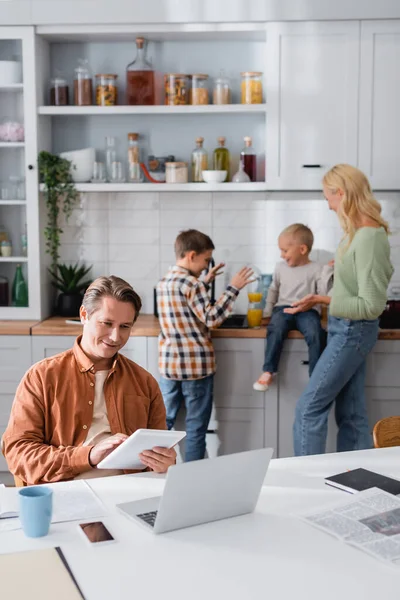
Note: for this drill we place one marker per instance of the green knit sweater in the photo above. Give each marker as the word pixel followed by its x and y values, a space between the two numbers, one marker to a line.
pixel 362 275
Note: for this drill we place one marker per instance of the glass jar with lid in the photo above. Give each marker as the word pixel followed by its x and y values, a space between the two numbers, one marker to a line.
pixel 83 92
pixel 199 161
pixel 251 87
pixel 59 92
pixel 222 90
pixel 176 89
pixel 199 89
pixel 106 90
pixel 134 169
pixel 140 80
pixel 176 172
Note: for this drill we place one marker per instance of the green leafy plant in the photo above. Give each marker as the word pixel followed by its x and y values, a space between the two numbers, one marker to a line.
pixel 60 194
pixel 68 279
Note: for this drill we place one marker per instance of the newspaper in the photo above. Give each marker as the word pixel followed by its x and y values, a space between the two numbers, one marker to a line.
pixel 370 521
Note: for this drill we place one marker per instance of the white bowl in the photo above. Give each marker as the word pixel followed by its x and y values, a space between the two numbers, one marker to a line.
pixel 214 176
pixel 10 72
pixel 83 161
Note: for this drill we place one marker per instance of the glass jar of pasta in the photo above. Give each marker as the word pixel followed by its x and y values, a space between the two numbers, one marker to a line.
pixel 106 90
pixel 176 88
pixel 251 87
pixel 199 89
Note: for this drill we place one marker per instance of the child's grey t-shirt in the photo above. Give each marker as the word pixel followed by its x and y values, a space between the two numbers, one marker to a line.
pixel 290 284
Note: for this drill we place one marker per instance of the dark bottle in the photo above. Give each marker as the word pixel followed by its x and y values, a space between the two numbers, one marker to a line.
pixel 249 159
pixel 140 80
pixel 19 289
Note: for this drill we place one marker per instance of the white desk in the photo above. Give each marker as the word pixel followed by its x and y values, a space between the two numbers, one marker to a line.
pixel 269 554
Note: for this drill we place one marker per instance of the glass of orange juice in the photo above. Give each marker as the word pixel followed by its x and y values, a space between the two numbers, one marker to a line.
pixel 254 310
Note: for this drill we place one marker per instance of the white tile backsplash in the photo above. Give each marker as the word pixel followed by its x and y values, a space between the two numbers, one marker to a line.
pixel 132 235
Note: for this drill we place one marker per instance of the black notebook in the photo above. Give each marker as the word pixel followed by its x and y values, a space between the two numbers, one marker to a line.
pixel 362 479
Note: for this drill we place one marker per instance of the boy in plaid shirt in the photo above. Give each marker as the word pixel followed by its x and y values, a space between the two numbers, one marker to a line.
pixel 186 353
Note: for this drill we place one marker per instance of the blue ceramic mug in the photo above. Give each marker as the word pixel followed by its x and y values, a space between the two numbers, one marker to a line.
pixel 35 510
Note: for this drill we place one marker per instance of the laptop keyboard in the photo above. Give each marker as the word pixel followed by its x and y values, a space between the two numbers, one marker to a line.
pixel 149 517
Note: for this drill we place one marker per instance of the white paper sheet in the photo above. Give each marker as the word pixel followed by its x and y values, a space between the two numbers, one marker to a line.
pixel 72 501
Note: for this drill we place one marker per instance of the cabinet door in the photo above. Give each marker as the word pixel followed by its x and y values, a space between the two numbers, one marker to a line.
pixel 293 379
pixel 50 345
pixel 312 98
pixel 240 429
pixel 239 364
pixel 15 360
pixel 383 381
pixel 379 129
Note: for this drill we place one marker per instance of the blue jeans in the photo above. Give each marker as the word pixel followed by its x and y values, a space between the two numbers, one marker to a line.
pixel 308 323
pixel 197 395
pixel 339 376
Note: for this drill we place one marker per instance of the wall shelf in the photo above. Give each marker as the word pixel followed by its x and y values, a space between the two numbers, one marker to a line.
pixel 12 202
pixel 13 259
pixel 12 87
pixel 12 144
pixel 259 186
pixel 152 110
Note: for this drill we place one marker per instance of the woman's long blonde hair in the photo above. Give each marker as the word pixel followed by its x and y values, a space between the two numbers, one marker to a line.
pixel 358 200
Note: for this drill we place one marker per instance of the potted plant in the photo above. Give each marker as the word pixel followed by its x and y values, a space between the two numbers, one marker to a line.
pixel 60 194
pixel 69 280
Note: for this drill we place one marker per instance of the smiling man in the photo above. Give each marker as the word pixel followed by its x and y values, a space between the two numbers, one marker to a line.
pixel 71 410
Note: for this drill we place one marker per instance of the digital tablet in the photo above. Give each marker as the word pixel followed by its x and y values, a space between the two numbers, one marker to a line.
pixel 126 456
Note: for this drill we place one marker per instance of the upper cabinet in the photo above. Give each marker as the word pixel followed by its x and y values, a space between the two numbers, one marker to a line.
pixel 379 124
pixel 312 74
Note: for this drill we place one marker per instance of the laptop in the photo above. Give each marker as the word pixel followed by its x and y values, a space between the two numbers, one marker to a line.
pixel 203 491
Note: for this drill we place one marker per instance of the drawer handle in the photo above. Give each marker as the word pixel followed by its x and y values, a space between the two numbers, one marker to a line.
pixel 305 362
pixel 312 166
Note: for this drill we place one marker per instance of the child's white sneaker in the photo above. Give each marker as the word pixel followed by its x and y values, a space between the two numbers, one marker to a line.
pixel 263 382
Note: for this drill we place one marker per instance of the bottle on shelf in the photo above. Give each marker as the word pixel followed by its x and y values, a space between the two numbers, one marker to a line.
pixel 240 176
pixel 134 170
pixel 199 161
pixel 4 293
pixel 24 243
pixel 140 79
pixel 249 159
pixel 221 158
pixel 111 155
pixel 19 289
pixel 83 90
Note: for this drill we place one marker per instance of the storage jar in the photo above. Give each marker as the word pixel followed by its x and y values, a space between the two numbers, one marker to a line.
pixel 106 90
pixel 251 87
pixel 176 172
pixel 176 87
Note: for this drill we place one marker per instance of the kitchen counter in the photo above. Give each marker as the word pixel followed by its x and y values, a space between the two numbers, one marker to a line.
pixel 148 326
pixel 16 327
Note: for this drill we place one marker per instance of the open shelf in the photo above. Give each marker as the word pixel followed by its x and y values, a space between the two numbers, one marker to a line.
pixel 12 87
pixel 258 186
pixel 12 144
pixel 152 110
pixel 13 259
pixel 12 202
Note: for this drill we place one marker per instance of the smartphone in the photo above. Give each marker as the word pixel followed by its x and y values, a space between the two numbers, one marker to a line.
pixel 96 533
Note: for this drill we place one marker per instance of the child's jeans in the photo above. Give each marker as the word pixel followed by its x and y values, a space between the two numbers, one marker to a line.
pixel 197 395
pixel 308 323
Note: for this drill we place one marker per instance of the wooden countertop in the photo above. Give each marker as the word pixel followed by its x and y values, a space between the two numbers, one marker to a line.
pixel 16 327
pixel 147 326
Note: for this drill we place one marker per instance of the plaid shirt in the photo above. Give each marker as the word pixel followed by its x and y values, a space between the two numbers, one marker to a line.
pixel 186 317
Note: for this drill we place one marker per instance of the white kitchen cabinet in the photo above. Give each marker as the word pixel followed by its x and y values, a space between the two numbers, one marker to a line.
pixel 383 381
pixel 312 74
pixel 245 419
pixel 19 208
pixel 44 346
pixel 379 118
pixel 15 360
pixel 292 381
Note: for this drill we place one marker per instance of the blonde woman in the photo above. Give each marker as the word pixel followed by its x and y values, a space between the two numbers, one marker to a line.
pixel 362 274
